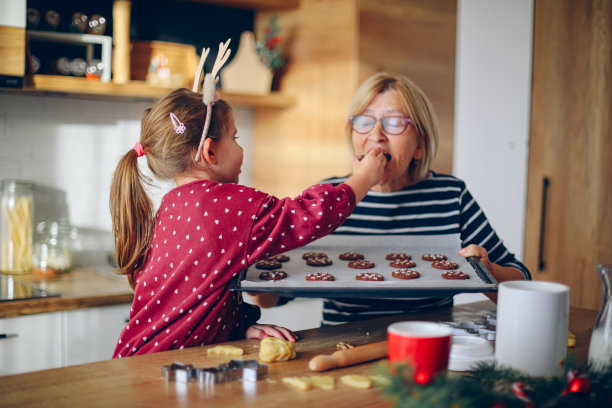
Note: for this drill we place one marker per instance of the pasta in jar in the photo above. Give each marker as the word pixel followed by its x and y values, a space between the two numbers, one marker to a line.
pixel 16 223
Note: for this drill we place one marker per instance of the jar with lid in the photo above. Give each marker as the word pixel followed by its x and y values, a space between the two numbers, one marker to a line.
pixel 53 250
pixel 16 225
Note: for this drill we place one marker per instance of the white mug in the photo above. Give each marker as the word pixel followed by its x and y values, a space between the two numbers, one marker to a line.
pixel 532 323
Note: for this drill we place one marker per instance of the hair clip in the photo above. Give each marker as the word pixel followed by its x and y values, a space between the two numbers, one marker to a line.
pixel 209 95
pixel 179 128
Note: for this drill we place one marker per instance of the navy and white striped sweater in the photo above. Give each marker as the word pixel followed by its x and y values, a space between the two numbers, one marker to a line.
pixel 440 204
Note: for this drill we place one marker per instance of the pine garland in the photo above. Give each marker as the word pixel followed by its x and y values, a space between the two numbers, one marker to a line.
pixel 488 387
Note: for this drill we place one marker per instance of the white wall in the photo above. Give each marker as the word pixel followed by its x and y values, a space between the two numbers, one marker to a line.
pixel 492 108
pixel 73 145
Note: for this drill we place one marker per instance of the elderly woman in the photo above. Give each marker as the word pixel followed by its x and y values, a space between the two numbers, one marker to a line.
pixel 390 112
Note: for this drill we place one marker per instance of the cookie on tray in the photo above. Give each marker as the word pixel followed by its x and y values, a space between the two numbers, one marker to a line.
pixel 313 255
pixel 369 276
pixel 280 258
pixel 351 256
pixel 405 274
pixel 393 256
pixel 455 275
pixel 273 275
pixel 320 276
pixel 444 265
pixel 402 263
pixel 319 261
pixel 268 264
pixel 434 257
pixel 361 264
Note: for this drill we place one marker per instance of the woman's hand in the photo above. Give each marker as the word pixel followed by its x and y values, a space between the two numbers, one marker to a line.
pixel 500 273
pixel 259 331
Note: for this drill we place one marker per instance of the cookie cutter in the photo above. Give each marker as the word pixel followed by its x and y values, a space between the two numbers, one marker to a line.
pixel 246 370
pixel 471 328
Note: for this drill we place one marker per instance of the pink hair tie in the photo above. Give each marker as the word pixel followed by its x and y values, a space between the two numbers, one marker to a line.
pixel 138 149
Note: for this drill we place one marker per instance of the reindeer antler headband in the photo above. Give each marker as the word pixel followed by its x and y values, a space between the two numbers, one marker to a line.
pixel 210 80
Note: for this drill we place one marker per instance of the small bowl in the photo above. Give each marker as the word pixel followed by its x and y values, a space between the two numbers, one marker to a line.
pixel 467 351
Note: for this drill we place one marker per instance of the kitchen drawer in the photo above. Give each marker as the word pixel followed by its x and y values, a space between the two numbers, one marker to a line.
pixel 33 343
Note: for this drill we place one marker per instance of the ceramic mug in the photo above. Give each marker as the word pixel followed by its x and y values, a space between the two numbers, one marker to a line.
pixel 423 346
pixel 532 323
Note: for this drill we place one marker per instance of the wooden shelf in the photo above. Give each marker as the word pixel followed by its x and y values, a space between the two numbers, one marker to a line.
pixel 253 4
pixel 133 90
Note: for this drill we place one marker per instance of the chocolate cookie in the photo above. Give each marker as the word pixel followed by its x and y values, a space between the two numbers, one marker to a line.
pixel 319 261
pixel 434 257
pixel 280 258
pixel 455 275
pixel 444 265
pixel 313 255
pixel 319 276
pixel 268 264
pixel 273 275
pixel 397 255
pixel 361 264
pixel 405 274
pixel 369 276
pixel 402 263
pixel 351 256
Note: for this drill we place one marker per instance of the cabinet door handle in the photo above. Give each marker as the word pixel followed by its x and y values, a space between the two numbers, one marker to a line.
pixel 541 262
pixel 8 335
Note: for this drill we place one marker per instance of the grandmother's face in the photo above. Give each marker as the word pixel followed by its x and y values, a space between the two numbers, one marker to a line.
pixel 402 147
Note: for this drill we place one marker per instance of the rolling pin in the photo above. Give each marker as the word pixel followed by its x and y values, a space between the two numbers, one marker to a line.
pixel 343 358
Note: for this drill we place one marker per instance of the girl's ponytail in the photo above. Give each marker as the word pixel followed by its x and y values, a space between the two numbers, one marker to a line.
pixel 132 215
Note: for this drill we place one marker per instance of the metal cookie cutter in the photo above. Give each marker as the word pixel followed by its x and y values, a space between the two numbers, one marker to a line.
pixel 247 370
pixel 179 372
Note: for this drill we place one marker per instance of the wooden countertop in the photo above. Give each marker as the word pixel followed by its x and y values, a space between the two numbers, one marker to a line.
pixel 81 288
pixel 137 381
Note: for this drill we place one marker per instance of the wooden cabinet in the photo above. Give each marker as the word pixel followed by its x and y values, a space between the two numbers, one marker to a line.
pixel 33 343
pixel 49 340
pixel 569 198
pixel 332 47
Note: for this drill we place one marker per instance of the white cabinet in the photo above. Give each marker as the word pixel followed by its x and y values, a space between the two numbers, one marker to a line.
pixel 50 340
pixel 91 334
pixel 32 343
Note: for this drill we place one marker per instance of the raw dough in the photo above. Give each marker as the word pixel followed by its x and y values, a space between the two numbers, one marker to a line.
pixel 225 351
pixel 274 349
pixel 301 383
pixel 356 381
pixel 325 382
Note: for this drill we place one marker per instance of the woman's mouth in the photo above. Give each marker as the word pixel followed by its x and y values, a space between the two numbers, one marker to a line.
pixel 361 156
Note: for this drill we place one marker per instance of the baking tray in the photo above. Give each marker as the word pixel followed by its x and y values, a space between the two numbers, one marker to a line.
pixel 375 248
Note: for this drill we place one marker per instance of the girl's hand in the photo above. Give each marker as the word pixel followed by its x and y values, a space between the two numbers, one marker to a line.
pixel 259 331
pixel 371 166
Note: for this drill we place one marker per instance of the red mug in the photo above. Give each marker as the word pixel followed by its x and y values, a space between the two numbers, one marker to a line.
pixel 423 346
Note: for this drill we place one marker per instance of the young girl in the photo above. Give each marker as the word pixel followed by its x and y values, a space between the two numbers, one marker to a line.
pixel 180 260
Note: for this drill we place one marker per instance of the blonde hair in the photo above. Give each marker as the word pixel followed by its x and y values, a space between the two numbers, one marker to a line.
pixel 167 153
pixel 416 106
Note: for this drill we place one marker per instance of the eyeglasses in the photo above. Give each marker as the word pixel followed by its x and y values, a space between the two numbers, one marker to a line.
pixel 393 125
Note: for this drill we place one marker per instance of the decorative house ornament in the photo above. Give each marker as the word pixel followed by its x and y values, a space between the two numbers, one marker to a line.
pixel 246 73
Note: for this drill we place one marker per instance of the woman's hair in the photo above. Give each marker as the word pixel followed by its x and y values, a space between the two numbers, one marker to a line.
pixel 168 153
pixel 416 106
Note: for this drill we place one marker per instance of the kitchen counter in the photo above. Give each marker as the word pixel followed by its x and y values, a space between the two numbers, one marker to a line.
pixel 81 288
pixel 137 381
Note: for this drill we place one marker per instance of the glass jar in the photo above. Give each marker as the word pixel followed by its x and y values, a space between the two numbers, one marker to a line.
pixel 54 249
pixel 16 224
pixel 600 348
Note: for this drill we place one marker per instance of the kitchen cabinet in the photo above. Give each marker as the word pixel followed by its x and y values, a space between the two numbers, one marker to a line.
pixel 50 340
pixel 91 334
pixel 140 90
pixel 568 227
pixel 33 343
